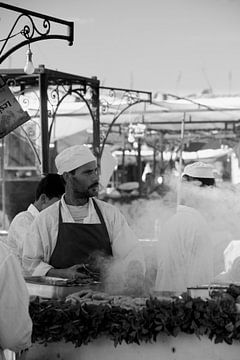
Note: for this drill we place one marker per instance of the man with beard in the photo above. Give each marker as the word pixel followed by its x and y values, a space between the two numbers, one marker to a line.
pixel 73 232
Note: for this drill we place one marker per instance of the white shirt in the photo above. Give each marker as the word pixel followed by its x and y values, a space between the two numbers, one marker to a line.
pixel 15 322
pixel 41 239
pixel 185 252
pixel 19 228
pixel 232 263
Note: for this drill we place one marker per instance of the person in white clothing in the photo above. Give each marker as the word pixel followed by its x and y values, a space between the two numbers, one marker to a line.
pixel 77 229
pixel 185 252
pixel 49 190
pixel 15 322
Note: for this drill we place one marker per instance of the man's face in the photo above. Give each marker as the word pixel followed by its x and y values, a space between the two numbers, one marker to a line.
pixel 84 183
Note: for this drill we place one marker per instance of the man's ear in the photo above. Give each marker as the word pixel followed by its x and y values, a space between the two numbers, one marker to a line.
pixel 65 176
pixel 43 198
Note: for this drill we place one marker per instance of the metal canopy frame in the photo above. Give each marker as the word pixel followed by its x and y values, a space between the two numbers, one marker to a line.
pixel 54 87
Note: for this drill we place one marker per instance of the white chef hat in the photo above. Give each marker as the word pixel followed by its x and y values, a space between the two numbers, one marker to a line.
pixel 199 170
pixel 73 157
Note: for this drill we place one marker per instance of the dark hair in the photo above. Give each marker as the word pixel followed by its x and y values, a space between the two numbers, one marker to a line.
pixel 52 185
pixel 203 181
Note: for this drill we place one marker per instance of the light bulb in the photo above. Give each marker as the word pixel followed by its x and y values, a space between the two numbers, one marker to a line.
pixel 131 138
pixel 29 68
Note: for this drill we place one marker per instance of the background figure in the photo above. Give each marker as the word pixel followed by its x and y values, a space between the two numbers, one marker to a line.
pixel 49 190
pixel 15 322
pixel 149 185
pixel 185 252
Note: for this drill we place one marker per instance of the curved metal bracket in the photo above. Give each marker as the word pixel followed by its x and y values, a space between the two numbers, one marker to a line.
pixel 54 115
pixel 70 91
pixel 31 31
pixel 115 119
pixel 86 103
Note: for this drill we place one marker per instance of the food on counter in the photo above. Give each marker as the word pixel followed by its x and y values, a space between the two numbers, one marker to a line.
pixel 97 297
pixel 234 290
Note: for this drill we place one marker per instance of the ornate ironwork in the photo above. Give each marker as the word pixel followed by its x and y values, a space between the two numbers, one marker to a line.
pixel 57 96
pixel 116 101
pixel 53 96
pixel 29 100
pixel 31 32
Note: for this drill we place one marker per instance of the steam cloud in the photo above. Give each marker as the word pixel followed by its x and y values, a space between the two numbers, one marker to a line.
pixel 220 206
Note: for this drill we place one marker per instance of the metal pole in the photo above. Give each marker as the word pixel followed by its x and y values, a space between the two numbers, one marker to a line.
pixel 123 160
pixel 3 188
pixel 180 160
pixel 43 85
pixel 139 163
pixel 96 120
pixel 154 161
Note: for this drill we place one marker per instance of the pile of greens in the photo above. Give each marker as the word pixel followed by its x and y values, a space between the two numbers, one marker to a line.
pixel 55 320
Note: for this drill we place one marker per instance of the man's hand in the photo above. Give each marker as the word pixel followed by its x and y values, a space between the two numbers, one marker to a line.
pixel 72 273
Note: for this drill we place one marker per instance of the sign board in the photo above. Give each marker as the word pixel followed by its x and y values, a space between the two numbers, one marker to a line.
pixel 11 113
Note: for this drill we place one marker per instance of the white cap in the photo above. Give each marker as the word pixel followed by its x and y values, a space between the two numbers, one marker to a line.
pixel 73 157
pixel 199 170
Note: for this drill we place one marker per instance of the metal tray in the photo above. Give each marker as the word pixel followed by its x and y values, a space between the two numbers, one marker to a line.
pixel 205 291
pixel 47 280
pixel 56 288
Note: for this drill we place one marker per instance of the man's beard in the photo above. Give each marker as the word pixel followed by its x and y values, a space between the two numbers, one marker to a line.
pixel 86 194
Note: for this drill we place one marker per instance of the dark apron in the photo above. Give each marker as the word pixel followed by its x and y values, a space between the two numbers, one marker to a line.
pixel 80 243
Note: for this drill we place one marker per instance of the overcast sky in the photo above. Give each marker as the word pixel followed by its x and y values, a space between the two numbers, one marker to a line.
pixel 177 46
